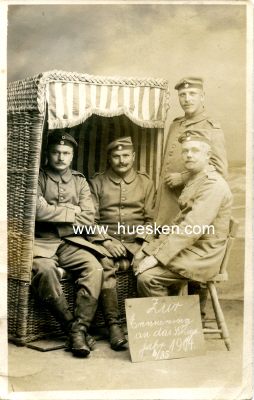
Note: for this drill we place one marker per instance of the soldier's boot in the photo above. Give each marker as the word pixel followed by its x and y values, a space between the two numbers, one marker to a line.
pixel 81 342
pixel 59 307
pixel 79 345
pixel 111 314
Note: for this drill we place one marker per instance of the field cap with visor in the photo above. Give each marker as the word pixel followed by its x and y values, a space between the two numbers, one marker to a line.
pixel 123 143
pixel 187 83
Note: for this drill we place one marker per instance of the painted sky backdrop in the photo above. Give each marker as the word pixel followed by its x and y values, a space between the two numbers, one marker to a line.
pixel 167 41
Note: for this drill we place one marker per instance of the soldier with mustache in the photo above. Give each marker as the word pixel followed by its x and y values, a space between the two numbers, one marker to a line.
pixel 174 175
pixel 64 199
pixel 206 200
pixel 122 196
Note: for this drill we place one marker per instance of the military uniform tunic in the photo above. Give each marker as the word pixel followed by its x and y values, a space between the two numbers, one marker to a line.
pixel 190 253
pixel 166 206
pixel 126 201
pixel 55 215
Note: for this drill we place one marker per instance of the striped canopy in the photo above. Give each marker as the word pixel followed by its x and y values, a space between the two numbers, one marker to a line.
pixel 72 99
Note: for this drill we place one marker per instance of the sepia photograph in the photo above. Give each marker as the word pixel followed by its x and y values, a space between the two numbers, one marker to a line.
pixel 126 237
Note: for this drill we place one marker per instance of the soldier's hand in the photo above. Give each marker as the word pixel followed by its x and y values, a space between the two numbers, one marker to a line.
pixel 116 249
pixel 145 264
pixel 139 255
pixel 174 179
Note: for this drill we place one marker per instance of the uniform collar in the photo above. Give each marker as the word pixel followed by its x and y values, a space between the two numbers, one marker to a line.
pixel 117 179
pixel 200 175
pixel 197 118
pixel 55 176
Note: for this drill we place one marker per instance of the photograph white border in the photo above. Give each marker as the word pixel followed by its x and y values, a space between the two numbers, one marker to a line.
pixel 242 392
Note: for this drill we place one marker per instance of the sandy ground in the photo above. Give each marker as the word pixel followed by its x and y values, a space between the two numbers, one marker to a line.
pixel 31 370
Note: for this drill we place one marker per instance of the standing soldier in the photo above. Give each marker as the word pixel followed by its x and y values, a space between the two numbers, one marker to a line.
pixel 174 174
pixel 123 200
pixel 64 199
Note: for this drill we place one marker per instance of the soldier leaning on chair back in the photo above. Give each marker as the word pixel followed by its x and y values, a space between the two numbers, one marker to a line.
pixel 64 199
pixel 173 174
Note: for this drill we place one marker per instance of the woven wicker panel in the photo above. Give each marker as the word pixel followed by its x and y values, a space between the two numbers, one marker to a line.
pixel 24 142
pixel 67 76
pixel 22 94
pixel 29 320
pixel 36 321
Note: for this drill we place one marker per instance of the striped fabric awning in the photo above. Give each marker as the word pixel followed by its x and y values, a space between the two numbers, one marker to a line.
pixel 145 102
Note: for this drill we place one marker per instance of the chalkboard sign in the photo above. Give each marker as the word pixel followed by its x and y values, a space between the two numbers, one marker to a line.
pixel 161 328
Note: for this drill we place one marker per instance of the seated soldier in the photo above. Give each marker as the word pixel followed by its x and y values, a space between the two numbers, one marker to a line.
pixel 64 199
pixel 196 246
pixel 123 200
pixel 173 175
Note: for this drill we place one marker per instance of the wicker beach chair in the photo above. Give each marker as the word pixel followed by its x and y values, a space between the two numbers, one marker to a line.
pixel 96 110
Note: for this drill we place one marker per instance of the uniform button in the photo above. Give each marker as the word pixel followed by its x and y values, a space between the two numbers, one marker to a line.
pixel 173 146
pixel 61 190
pixel 122 240
pixel 123 198
pixel 61 198
pixel 122 206
pixel 124 190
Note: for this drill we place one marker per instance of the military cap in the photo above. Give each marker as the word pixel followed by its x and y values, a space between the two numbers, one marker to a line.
pixel 198 135
pixel 122 143
pixel 60 136
pixel 186 83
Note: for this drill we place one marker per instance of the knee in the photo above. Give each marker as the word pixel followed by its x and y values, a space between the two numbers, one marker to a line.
pixel 95 269
pixel 44 267
pixel 46 279
pixel 144 280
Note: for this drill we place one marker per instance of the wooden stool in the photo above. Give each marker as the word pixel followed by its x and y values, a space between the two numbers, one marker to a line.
pixel 219 319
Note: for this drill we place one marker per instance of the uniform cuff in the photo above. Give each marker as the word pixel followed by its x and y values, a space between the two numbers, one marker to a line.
pixel 70 215
pixel 162 258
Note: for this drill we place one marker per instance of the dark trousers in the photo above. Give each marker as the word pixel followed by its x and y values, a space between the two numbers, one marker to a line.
pixel 110 266
pixel 84 267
